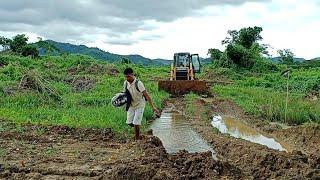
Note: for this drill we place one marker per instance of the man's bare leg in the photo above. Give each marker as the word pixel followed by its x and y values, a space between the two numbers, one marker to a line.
pixel 137 132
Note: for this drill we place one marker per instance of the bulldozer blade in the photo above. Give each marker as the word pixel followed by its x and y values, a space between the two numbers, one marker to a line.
pixel 180 87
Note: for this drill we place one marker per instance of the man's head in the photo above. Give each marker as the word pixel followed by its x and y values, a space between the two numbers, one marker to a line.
pixel 128 74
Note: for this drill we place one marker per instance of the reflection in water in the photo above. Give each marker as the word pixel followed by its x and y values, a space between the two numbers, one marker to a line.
pixel 176 134
pixel 240 130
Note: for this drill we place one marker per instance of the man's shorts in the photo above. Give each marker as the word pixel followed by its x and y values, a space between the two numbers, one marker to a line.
pixel 134 115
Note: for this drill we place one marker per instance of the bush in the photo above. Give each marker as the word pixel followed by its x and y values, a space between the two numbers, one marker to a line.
pixel 30 50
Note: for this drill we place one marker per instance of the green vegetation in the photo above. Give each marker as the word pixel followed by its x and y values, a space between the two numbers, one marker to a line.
pixel 75 90
pixel 300 81
pixel 189 98
pixel 257 84
pixel 270 104
pixel 19 45
pixel 264 94
pixel 2 152
pixel 71 90
pixel 242 51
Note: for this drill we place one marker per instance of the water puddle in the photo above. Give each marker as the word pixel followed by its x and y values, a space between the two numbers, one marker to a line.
pixel 238 129
pixel 176 134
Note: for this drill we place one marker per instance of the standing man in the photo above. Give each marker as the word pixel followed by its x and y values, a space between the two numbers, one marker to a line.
pixel 139 96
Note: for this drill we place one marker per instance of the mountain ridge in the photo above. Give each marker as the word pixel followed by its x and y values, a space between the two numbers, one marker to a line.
pixel 104 55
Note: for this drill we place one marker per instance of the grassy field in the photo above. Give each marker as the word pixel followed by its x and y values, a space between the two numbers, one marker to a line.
pixel 270 104
pixel 264 94
pixel 76 90
pixel 70 90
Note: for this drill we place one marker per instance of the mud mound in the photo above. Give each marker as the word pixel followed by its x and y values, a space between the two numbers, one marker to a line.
pixel 157 164
pixel 261 162
pixel 80 83
pixel 74 159
pixel 304 137
pixel 102 69
pixel 112 71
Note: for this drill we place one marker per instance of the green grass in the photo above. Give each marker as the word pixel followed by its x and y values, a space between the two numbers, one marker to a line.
pixel 301 81
pixel 51 151
pixel 84 108
pixel 262 93
pixel 270 104
pixel 189 98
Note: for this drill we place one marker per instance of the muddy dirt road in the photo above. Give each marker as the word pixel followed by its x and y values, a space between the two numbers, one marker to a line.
pixel 58 152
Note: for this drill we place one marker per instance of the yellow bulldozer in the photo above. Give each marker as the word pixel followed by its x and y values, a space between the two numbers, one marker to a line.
pixel 183 75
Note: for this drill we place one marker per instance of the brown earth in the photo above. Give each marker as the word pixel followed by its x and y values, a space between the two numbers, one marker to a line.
pixel 254 160
pixel 80 83
pixel 59 152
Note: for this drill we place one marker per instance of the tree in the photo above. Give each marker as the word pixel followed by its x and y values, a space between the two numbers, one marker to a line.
pixel 46 46
pixel 30 50
pixel 286 56
pixel 243 48
pixel 245 37
pixel 19 45
pixel 18 42
pixel 215 54
pixel 240 56
pixel 5 43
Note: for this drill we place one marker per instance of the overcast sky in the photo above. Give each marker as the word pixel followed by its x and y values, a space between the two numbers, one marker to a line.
pixel 161 28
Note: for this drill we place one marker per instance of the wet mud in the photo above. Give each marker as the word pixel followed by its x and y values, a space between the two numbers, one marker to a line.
pixel 58 152
pixel 254 160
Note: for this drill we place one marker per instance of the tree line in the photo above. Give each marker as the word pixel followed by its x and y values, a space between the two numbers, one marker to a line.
pixel 244 50
pixel 19 45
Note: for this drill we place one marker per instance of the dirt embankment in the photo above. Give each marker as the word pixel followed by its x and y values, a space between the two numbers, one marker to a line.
pixel 254 160
pixel 58 152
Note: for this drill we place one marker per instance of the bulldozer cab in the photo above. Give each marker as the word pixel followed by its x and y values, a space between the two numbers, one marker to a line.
pixel 185 60
pixel 181 59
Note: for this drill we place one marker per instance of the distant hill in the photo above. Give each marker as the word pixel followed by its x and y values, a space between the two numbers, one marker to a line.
pixel 315 59
pixel 100 54
pixel 110 57
pixel 163 61
pixel 278 59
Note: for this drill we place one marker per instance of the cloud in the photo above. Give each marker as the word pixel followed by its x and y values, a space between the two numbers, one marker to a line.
pixel 79 20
